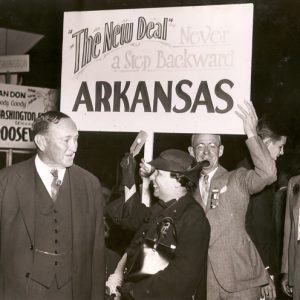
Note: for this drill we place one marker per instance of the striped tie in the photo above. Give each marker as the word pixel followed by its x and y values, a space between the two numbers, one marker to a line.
pixel 55 184
pixel 204 191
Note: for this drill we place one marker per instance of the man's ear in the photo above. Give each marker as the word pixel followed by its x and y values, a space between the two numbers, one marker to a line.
pixel 267 141
pixel 191 151
pixel 221 150
pixel 40 142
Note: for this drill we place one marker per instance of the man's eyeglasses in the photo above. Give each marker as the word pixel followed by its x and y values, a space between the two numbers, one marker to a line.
pixel 210 147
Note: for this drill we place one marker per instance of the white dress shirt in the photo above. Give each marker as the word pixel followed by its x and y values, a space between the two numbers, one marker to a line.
pixel 44 172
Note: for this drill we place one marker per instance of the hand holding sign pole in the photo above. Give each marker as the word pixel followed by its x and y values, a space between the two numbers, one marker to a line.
pixel 144 138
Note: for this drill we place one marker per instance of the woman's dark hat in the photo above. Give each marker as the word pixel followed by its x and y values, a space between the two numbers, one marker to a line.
pixel 174 160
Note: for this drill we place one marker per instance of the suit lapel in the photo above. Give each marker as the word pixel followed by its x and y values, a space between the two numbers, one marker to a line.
pixel 197 196
pixel 79 204
pixel 218 181
pixel 25 192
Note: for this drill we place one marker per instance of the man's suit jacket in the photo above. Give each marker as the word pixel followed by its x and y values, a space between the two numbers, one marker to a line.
pixel 17 224
pixel 291 229
pixel 233 256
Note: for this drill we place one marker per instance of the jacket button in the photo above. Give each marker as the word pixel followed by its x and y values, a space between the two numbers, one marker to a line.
pixel 31 247
pixel 27 274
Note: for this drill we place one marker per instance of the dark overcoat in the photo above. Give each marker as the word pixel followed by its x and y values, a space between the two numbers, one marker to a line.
pixel 187 272
pixel 17 225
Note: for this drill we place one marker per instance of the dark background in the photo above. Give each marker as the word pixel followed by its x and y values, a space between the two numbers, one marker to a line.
pixel 275 74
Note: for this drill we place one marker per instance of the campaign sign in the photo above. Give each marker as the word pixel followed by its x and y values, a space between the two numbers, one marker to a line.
pixel 19 107
pixel 173 69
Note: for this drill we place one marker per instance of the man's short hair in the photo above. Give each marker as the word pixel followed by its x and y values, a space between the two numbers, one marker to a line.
pixel 41 124
pixel 265 129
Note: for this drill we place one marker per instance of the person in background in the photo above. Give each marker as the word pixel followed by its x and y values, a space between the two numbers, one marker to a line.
pixel 235 269
pixel 291 242
pixel 51 220
pixel 261 215
pixel 173 175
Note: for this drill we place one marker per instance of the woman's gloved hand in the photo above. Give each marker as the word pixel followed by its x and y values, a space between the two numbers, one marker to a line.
pixel 128 165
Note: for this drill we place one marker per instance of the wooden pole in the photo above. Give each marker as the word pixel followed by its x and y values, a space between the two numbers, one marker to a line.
pixel 148 156
pixel 9 156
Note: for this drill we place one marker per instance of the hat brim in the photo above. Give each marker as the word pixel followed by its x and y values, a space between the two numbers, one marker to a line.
pixel 192 173
pixel 162 164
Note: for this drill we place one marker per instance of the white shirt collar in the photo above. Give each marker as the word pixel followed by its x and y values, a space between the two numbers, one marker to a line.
pixel 211 174
pixel 44 172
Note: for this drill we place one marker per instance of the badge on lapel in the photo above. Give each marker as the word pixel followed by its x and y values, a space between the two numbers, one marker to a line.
pixel 215 196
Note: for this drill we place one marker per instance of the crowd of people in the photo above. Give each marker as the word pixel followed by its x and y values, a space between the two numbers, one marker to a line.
pixel 209 234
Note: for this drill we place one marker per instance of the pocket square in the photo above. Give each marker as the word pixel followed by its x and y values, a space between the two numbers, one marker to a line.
pixel 223 189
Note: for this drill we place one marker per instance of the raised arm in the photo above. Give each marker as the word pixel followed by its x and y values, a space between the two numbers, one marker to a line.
pixel 128 211
pixel 264 172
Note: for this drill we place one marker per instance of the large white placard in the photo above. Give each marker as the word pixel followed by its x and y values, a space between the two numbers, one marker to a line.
pixel 175 69
pixel 19 107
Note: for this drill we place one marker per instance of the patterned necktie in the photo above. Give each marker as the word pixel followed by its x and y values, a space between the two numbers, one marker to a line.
pixel 204 191
pixel 55 184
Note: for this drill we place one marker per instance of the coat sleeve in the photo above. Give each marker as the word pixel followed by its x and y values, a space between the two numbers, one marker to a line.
pixel 182 276
pixel 129 214
pixel 287 229
pixel 264 172
pixel 98 264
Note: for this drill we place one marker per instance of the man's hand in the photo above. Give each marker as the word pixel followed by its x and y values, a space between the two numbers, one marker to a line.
pixel 268 292
pixel 128 165
pixel 288 290
pixel 145 169
pixel 249 118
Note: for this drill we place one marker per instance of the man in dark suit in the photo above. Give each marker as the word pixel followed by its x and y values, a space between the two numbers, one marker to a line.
pixel 51 220
pixel 261 214
pixel 235 269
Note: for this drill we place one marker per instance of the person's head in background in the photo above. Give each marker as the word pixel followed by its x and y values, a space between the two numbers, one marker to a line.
pixel 206 147
pixel 56 138
pixel 274 141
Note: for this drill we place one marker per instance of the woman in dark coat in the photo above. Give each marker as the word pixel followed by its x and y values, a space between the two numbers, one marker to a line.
pixel 185 276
